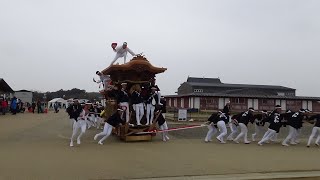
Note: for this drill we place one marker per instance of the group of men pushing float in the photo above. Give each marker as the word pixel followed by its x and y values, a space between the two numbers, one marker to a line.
pixel 275 119
pixel 146 96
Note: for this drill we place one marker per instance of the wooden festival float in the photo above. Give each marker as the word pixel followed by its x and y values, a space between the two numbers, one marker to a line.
pixel 137 71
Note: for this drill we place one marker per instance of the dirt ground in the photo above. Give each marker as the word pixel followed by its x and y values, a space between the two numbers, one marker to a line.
pixel 35 146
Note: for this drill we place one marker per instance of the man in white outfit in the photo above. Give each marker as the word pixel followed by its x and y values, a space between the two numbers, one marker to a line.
pixel 122 51
pixel 212 126
pixel 81 124
pixel 123 99
pixel 223 119
pixel 104 79
pixel 151 105
pixel 315 130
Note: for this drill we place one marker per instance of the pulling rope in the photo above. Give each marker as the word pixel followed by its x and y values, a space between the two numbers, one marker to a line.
pixel 173 129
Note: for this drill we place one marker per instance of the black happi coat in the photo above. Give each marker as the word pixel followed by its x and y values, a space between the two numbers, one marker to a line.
pixel 275 122
pixel 152 96
pixel 317 118
pixel 260 119
pixel 161 120
pixel 295 120
pixel 245 118
pixel 114 120
pixel 136 98
pixel 122 96
pixel 74 111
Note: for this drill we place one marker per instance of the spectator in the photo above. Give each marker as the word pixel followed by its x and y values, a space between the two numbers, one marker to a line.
pixel 39 107
pixel 13 106
pixel 33 106
pixel 56 107
pixel 4 106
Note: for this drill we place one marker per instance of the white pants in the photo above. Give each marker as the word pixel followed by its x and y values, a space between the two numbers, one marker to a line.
pixel 150 113
pixel 223 130
pixel 139 112
pixel 107 130
pixel 91 121
pixel 212 131
pixel 243 133
pixel 98 122
pixel 318 139
pixel 159 97
pixel 164 126
pixel 267 136
pixel 291 136
pixel 118 55
pixel 234 131
pixel 258 130
pixel 125 106
pixel 274 138
pixel 296 135
pixel 315 130
pixel 80 124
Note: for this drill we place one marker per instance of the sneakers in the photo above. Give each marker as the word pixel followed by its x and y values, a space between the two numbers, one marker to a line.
pixel 229 139
pixel 285 144
pixel 260 144
pixel 317 144
pixel 167 137
pixel 78 141
pixel 237 142
pixel 223 142
pixel 100 143
pixel 293 143
pixel 218 139
pixel 247 142
pixel 71 144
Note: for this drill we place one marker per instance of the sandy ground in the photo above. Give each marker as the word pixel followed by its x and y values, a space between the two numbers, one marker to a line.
pixel 35 146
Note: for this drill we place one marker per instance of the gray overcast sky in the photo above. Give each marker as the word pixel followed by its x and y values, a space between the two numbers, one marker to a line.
pixel 59 44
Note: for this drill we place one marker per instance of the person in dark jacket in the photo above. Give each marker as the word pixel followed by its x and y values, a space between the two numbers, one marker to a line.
pixel 162 121
pixel 259 122
pixel 74 111
pixel 222 121
pixel 315 129
pixel 151 105
pixel 113 121
pixel 123 100
pixel 212 126
pixel 274 127
pixel 245 118
pixel 14 106
pixel 137 102
pixel 33 107
pixel 295 122
pixel 234 124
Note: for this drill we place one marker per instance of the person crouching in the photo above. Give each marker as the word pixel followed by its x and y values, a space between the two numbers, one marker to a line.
pixel 113 121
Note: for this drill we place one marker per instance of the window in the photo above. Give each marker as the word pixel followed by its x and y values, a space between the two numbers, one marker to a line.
pixel 281 93
pixel 198 90
pixel 237 100
pixel 267 102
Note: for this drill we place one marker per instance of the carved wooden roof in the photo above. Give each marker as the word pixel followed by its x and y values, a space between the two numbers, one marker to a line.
pixel 138 69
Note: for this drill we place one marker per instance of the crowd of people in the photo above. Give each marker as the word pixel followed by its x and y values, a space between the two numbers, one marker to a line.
pixel 276 120
pixel 16 105
pixel 13 105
